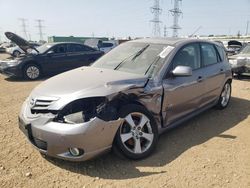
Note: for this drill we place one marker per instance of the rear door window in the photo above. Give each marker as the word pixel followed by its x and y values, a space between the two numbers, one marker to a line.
pixel 78 48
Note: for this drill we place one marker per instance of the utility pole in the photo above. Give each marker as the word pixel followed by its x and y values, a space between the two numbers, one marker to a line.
pixel 247 28
pixel 0 34
pixel 195 31
pixel 24 27
pixel 176 13
pixel 40 28
pixel 156 11
pixel 165 31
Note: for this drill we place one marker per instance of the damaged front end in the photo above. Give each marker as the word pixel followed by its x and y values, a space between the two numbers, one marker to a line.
pixel 83 110
pixel 79 131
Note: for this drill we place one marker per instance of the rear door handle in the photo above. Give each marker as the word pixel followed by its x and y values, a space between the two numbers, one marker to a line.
pixel 221 70
pixel 200 79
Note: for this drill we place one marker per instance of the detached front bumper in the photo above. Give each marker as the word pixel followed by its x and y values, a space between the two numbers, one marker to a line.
pixel 54 139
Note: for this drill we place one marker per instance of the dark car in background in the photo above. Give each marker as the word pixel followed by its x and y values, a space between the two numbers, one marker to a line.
pixel 234 47
pixel 48 59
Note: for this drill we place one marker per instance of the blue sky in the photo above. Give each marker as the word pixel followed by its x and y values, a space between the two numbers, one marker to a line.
pixel 122 18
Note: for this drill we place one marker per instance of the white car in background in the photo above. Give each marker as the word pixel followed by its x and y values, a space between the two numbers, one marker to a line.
pixel 107 46
pixel 16 51
pixel 104 46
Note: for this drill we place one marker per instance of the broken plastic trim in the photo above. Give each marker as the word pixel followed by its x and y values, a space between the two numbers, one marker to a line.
pixel 89 107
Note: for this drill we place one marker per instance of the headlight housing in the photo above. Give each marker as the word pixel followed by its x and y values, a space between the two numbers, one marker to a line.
pixel 12 63
pixel 83 110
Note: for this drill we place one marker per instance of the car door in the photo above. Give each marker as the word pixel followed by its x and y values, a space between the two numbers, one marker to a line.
pixel 74 54
pixel 56 59
pixel 81 55
pixel 213 71
pixel 182 95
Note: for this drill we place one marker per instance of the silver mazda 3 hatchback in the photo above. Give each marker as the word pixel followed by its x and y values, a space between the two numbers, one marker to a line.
pixel 126 98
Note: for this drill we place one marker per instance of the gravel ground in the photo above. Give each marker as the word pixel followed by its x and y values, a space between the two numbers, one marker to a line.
pixel 211 150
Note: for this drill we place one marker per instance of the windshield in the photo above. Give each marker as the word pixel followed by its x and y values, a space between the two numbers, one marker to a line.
pixel 246 50
pixel 137 58
pixel 43 48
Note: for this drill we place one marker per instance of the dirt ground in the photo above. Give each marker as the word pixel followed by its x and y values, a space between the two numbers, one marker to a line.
pixel 212 150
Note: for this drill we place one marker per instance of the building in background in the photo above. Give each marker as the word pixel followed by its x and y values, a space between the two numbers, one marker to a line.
pixel 73 39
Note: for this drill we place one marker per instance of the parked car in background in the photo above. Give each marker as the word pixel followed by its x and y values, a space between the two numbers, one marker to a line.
pixel 48 59
pixel 233 47
pixel 16 51
pixel 136 91
pixel 104 46
pixel 5 45
pixel 241 62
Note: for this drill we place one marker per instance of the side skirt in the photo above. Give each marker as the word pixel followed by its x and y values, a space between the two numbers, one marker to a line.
pixel 187 117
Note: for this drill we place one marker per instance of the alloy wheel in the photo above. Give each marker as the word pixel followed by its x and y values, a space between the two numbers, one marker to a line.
pixel 226 94
pixel 136 133
pixel 32 72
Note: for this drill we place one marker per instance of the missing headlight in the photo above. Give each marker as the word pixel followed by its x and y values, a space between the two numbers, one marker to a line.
pixel 74 118
pixel 83 110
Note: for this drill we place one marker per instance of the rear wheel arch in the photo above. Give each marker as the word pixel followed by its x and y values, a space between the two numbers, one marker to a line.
pixel 15 52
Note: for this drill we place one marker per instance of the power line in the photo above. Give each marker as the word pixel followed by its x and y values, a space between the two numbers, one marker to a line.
pixel 24 27
pixel 176 13
pixel 156 11
pixel 40 28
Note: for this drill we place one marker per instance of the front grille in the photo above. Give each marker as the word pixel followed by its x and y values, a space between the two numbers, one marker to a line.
pixel 40 106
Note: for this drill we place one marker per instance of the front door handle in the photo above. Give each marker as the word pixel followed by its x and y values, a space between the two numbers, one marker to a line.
pixel 200 79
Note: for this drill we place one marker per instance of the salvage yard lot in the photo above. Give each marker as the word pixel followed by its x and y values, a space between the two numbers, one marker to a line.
pixel 211 150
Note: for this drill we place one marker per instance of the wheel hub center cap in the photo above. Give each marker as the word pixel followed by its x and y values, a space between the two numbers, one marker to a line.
pixel 136 133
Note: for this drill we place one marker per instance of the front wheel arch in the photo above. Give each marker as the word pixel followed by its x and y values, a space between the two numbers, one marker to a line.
pixel 118 145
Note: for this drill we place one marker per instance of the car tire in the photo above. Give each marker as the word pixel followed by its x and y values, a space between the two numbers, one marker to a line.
pixel 32 72
pixel 137 136
pixel 225 96
pixel 16 53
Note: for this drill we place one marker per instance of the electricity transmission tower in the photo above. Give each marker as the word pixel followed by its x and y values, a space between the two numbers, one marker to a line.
pixel 40 28
pixel 156 11
pixel 176 13
pixel 24 27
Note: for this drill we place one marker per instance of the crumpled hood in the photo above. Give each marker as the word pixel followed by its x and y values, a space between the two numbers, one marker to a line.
pixel 87 82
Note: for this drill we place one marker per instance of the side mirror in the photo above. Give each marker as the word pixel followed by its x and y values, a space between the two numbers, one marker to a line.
pixel 182 71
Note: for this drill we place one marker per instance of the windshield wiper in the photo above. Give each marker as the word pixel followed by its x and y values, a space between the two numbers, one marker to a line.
pixel 152 64
pixel 133 55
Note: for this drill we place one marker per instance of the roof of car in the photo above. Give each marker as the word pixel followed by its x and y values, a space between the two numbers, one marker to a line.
pixel 54 43
pixel 168 41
